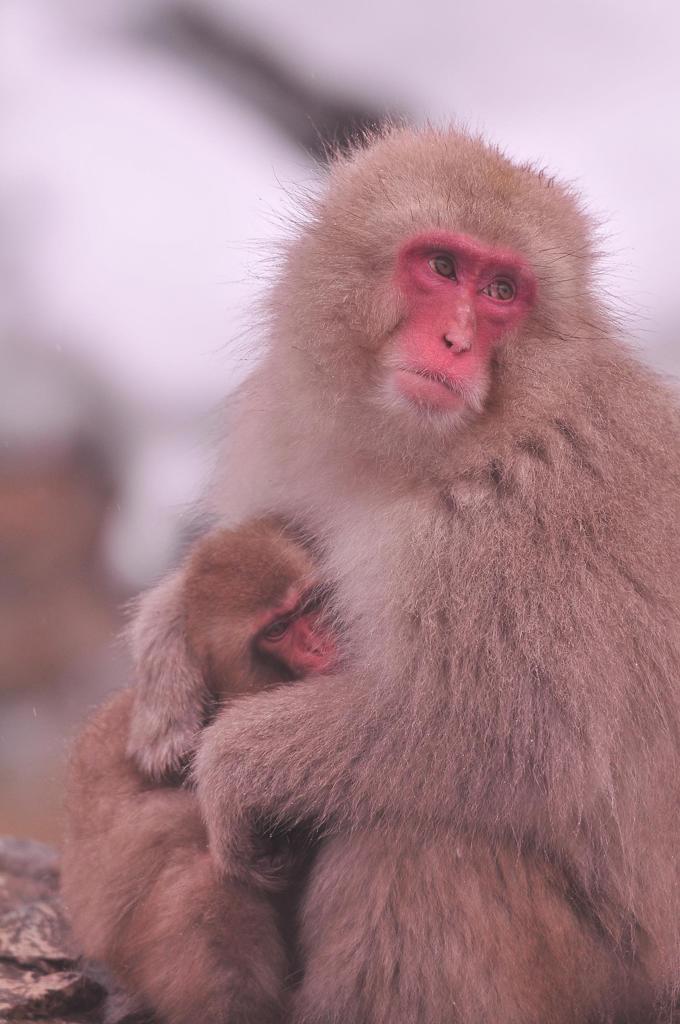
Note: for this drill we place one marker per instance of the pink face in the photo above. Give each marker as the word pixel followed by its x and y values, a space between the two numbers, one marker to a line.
pixel 463 299
pixel 293 634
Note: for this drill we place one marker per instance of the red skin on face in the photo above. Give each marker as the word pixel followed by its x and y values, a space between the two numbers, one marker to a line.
pixel 304 648
pixel 302 645
pixel 451 326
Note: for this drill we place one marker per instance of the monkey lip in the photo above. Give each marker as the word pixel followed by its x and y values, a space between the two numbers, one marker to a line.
pixel 425 387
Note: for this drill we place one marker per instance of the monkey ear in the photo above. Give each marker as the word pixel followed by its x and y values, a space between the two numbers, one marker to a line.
pixel 170 697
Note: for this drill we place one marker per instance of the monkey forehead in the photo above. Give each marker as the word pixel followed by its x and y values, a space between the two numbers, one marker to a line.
pixel 442 174
pixel 409 182
pixel 248 568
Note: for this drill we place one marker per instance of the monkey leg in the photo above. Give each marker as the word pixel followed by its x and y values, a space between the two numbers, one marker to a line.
pixel 194 948
pixel 201 951
pixel 144 897
pixel 394 933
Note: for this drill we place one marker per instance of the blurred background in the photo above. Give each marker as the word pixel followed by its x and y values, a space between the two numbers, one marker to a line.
pixel 148 153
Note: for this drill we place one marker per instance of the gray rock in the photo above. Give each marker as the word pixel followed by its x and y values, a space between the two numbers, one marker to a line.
pixel 41 976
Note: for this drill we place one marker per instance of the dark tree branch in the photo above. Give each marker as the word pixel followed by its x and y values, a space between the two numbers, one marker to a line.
pixel 314 120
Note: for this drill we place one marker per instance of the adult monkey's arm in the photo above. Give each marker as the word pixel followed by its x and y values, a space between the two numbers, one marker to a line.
pixel 316 753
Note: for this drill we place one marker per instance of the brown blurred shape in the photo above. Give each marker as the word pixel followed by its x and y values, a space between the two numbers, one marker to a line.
pixel 54 602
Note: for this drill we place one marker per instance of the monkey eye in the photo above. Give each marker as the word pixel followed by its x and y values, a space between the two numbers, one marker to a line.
pixel 276 630
pixel 443 265
pixel 501 288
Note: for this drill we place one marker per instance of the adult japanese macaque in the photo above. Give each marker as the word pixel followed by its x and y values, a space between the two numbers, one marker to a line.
pixel 142 892
pixel 492 480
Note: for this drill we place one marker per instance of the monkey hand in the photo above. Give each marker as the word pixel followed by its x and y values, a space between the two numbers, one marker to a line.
pixel 277 855
pixel 286 757
pixel 246 853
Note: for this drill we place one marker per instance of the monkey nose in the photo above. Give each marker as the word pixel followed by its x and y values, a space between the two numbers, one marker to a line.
pixel 456 342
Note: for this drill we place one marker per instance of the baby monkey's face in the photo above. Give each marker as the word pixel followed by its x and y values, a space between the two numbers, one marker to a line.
pixel 297 633
pixel 254 612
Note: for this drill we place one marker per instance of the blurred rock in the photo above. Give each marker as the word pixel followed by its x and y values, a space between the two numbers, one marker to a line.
pixel 41 978
pixel 54 604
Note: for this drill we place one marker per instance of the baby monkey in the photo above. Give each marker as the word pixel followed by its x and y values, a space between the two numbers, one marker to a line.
pixel 260 581
pixel 141 890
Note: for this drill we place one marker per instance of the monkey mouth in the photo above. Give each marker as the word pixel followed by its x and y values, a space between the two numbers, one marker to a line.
pixel 438 378
pixel 431 389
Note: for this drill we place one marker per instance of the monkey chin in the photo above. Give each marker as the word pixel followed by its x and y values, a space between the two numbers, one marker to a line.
pixel 444 405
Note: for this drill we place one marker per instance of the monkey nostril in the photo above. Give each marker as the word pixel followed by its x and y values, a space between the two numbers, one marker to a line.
pixel 457 344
